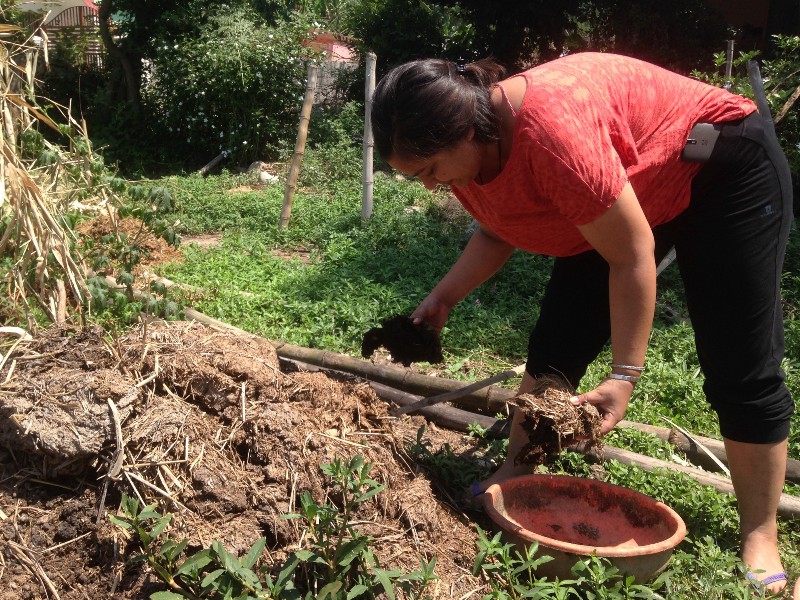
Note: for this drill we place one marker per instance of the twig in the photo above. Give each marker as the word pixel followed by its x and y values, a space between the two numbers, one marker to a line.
pixel 244 403
pixel 152 375
pixel 133 487
pixel 155 488
pixel 335 438
pixel 786 107
pixel 710 454
pixel 28 560
pixel 68 542
pixel 22 336
pixel 119 455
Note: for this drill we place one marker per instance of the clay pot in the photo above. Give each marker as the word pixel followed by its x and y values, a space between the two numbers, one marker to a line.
pixel 573 517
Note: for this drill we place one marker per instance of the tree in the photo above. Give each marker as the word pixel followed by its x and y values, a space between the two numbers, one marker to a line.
pixel 682 34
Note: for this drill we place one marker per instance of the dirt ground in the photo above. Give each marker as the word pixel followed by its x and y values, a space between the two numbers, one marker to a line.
pixel 210 426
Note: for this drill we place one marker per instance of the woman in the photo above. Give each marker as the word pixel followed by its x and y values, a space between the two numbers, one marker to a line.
pixel 583 159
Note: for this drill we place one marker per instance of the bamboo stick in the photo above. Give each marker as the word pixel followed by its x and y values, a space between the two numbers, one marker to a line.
pixel 460 420
pixel 788 506
pixel 369 142
pixel 491 400
pixel 299 147
pixel 213 163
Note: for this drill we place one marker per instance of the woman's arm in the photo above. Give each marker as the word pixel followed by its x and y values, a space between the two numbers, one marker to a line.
pixel 623 237
pixel 484 254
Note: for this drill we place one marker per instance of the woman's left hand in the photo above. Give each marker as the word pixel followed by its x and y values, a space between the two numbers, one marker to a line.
pixel 611 398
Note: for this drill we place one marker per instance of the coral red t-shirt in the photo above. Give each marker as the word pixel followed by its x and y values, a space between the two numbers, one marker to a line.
pixel 589 123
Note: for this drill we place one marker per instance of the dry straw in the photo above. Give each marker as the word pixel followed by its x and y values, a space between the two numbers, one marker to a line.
pixel 35 241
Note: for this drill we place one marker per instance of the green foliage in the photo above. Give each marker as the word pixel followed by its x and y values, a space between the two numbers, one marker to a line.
pixel 511 574
pixel 704 570
pixel 680 35
pixel 451 471
pixel 10 13
pixel 120 252
pixel 781 78
pixel 336 559
pixel 341 127
pixel 235 86
pixel 419 29
pixel 210 573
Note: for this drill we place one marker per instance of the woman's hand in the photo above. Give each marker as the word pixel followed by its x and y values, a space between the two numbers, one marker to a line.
pixel 611 398
pixel 433 311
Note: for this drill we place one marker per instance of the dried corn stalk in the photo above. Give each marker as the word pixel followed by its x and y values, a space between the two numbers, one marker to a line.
pixel 34 240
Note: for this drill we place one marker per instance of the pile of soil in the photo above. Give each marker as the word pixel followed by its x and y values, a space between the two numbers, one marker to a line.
pixel 213 428
pixel 154 250
pixel 216 430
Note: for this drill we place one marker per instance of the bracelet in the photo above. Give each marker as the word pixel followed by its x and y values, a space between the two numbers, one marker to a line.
pixel 628 367
pixel 632 378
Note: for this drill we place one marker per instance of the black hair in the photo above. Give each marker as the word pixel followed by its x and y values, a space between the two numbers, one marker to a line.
pixel 422 107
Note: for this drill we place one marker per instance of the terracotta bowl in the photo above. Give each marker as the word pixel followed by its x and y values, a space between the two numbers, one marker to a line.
pixel 573 517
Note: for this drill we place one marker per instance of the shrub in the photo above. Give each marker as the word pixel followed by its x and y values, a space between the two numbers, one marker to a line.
pixel 236 87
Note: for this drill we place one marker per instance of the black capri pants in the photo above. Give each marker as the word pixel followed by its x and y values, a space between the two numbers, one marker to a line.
pixel 730 244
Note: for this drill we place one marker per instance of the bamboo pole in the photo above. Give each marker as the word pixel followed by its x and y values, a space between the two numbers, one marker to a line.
pixel 299 147
pixel 460 420
pixel 404 387
pixel 369 142
pixel 490 400
pixel 213 163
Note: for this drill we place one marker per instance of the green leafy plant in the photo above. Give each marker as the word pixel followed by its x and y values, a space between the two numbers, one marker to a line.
pixel 120 252
pixel 337 559
pixel 781 81
pixel 163 555
pixel 511 573
pixel 335 563
pixel 450 470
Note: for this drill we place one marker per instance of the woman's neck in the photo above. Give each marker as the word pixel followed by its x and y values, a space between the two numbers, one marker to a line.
pixel 492 162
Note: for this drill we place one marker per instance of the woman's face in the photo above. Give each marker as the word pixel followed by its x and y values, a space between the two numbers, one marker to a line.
pixel 456 166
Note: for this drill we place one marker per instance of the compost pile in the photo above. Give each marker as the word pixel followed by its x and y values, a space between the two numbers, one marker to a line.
pixel 214 428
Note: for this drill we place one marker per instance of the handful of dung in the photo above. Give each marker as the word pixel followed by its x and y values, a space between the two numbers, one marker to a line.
pixel 552 422
pixel 405 341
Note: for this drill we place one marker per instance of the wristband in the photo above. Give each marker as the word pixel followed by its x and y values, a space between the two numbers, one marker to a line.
pixel 628 367
pixel 632 378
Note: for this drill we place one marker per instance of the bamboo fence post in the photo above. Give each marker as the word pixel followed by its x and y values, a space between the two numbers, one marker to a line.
pixel 369 142
pixel 299 147
pixel 729 64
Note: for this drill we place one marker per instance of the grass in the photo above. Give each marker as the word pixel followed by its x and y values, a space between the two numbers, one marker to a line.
pixel 342 276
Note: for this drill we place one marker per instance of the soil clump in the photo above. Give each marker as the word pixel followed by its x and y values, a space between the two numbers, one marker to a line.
pixel 552 422
pixel 405 341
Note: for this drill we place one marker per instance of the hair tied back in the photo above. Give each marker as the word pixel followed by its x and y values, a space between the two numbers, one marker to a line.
pixel 461 66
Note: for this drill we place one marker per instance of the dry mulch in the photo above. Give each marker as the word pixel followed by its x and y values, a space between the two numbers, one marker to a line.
pixel 553 423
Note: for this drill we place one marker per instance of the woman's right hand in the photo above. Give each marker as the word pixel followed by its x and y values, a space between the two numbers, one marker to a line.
pixel 432 311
